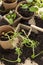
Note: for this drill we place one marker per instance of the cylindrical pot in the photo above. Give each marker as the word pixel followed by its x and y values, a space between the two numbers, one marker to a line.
pixel 9 5
pixel 26 18
pixel 6 44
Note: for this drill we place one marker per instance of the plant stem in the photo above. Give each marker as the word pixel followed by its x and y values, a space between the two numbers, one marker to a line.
pixel 33 51
pixel 39 54
pixel 8 60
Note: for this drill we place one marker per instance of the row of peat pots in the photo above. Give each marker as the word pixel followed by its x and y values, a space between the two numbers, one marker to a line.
pixel 21 30
pixel 20 11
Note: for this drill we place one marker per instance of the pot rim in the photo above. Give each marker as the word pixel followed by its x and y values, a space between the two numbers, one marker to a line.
pixel 19 13
pixel 10 3
pixel 6 26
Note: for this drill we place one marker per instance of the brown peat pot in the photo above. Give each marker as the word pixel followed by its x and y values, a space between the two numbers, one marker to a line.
pixel 25 14
pixel 6 44
pixel 10 5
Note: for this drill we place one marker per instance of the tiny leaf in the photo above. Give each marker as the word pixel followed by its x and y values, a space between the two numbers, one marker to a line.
pixel 33 9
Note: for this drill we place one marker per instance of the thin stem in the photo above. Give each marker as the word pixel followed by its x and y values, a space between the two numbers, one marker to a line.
pixel 39 54
pixel 33 51
pixel 24 32
pixel 8 60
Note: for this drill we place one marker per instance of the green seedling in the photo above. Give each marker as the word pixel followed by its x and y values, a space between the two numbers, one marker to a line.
pixel 11 17
pixel 33 9
pixel 24 6
pixel 18 52
pixel 29 1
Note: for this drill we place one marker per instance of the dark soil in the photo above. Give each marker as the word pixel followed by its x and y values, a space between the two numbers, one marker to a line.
pixel 39 21
pixel 25 12
pixel 8 1
pixel 3 11
pixel 22 33
pixel 3 22
pixel 22 21
pixel 20 0
pixel 4 37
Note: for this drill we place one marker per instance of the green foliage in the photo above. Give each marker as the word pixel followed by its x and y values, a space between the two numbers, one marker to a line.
pixel 25 6
pixel 29 1
pixel 16 34
pixel 11 17
pixel 33 9
pixel 41 15
pixel 18 51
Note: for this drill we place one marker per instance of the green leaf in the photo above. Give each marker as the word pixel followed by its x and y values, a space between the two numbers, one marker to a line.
pixel 39 1
pixel 19 60
pixel 25 41
pixel 24 6
pixel 8 16
pixel 33 9
pixel 13 15
pixel 33 56
pixel 29 1
pixel 10 21
pixel 18 51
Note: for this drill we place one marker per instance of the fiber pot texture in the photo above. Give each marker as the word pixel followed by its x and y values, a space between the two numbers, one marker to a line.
pixel 6 44
pixel 19 11
pixel 9 5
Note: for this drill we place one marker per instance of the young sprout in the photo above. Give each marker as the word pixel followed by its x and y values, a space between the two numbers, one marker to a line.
pixel 11 17
pixel 29 1
pixel 18 52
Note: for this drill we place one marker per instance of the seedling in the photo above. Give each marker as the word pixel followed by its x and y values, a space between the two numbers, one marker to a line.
pixel 29 1
pixel 18 52
pixel 37 8
pixel 31 44
pixel 11 17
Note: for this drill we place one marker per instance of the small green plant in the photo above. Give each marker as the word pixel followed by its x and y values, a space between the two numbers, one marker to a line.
pixel 18 52
pixel 29 1
pixel 37 8
pixel 25 6
pixel 31 44
pixel 11 17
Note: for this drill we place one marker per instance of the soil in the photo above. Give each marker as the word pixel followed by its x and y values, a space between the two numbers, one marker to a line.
pixel 5 38
pixel 19 1
pixel 25 12
pixel 9 1
pixel 3 11
pixel 22 33
pixel 39 21
pixel 22 21
pixel 3 22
